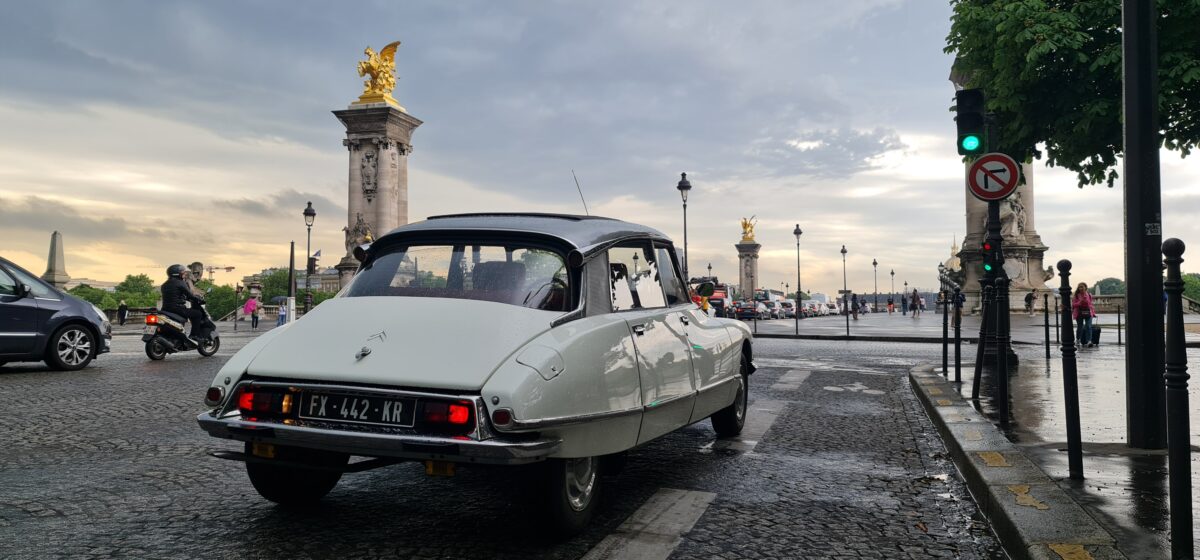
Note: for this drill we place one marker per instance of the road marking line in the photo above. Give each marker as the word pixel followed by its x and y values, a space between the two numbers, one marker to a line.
pixel 656 528
pixel 1021 491
pixel 1071 551
pixel 791 380
pixel 993 459
pixel 760 417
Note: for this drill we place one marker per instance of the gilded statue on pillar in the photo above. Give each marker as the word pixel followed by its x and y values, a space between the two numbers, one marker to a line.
pixel 748 230
pixel 381 67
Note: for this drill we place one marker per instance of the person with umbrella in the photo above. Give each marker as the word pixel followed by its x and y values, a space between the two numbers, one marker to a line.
pixel 251 309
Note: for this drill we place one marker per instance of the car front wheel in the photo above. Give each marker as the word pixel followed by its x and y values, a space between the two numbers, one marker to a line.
pixel 71 348
pixel 296 486
pixel 570 493
pixel 728 421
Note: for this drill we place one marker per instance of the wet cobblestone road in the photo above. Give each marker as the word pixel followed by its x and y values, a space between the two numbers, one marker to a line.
pixel 109 462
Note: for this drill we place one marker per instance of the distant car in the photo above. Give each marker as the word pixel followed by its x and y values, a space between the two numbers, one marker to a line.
pixel 579 343
pixel 832 309
pixel 747 310
pixel 788 308
pixel 773 309
pixel 39 322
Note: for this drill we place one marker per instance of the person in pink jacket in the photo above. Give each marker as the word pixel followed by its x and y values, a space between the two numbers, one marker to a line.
pixel 1082 310
pixel 251 309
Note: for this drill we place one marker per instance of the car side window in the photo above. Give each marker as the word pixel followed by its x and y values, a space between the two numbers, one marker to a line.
pixel 634 278
pixel 8 286
pixel 38 288
pixel 672 284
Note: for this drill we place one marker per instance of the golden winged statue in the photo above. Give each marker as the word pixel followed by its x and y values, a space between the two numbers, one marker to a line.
pixel 381 67
pixel 748 229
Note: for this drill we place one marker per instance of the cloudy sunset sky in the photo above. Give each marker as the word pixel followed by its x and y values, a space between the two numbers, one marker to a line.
pixel 157 132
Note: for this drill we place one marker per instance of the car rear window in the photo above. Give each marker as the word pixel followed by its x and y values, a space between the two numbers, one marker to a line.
pixel 520 275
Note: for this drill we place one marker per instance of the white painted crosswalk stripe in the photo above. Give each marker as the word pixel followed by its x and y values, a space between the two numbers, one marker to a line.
pixel 656 528
pixel 791 380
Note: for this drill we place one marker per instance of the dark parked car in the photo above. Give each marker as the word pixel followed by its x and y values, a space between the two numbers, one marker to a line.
pixel 39 322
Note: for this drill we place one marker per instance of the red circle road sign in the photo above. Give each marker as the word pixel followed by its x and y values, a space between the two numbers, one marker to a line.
pixel 993 177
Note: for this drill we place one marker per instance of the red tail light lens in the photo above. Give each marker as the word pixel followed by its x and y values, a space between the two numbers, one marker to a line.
pixel 447 417
pixel 459 414
pixel 259 403
pixel 151 319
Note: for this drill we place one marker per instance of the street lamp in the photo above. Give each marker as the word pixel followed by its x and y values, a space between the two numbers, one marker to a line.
pixel 893 291
pixel 635 267
pixel 875 265
pixel 684 186
pixel 710 272
pixel 310 215
pixel 799 298
pixel 845 292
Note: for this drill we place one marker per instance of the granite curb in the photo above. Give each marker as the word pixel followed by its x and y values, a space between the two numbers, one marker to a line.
pixel 1032 516
pixel 875 338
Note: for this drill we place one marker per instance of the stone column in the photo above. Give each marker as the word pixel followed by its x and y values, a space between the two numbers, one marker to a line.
pixel 379 139
pixel 56 264
pixel 748 278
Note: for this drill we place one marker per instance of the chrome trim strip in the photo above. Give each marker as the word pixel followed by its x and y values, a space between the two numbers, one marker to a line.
pixel 18 334
pixel 717 385
pixel 669 400
pixel 381 445
pixel 543 423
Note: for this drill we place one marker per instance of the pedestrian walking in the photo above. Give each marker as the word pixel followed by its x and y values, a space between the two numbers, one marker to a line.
pixel 914 303
pixel 903 304
pixel 891 305
pixel 1029 303
pixel 854 305
pixel 251 309
pixel 1083 310
pixel 122 312
pixel 283 311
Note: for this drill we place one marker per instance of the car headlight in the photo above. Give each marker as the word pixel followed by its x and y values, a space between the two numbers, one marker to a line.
pixel 99 312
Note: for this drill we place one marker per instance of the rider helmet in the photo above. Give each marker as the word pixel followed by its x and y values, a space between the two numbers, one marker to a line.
pixel 175 271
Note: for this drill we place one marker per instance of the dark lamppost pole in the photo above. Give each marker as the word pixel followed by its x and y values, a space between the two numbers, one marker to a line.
pixel 799 298
pixel 845 292
pixel 875 266
pixel 310 215
pixel 893 289
pixel 684 186
pixel 710 271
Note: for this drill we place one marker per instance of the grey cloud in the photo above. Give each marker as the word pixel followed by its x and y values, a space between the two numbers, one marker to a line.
pixel 825 153
pixel 43 215
pixel 288 202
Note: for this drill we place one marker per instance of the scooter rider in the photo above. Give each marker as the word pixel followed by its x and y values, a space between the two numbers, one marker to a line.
pixel 175 295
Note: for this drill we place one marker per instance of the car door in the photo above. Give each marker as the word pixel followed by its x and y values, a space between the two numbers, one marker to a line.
pixel 659 339
pixel 18 318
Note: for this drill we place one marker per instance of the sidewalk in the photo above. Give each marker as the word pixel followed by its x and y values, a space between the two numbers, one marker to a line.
pixel 1125 489
pixel 928 328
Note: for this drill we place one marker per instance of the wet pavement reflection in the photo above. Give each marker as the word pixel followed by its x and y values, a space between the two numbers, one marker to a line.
pixel 1124 488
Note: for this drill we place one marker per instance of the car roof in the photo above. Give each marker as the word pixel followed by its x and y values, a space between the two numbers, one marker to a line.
pixel 578 231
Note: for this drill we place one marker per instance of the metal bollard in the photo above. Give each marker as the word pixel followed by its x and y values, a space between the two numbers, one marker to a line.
pixel 1056 312
pixel 1119 325
pixel 1002 314
pixel 985 316
pixel 957 335
pixel 1070 376
pixel 1176 378
pixel 945 334
pixel 1046 314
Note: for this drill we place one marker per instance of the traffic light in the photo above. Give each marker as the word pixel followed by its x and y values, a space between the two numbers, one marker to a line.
pixel 971 121
pixel 989 255
pixel 312 265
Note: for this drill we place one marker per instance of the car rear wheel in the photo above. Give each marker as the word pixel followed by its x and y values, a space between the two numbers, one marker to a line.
pixel 71 348
pixel 570 490
pixel 296 486
pixel 728 421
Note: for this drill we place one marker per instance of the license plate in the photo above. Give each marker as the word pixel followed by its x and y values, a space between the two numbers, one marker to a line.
pixel 359 409
pixel 150 329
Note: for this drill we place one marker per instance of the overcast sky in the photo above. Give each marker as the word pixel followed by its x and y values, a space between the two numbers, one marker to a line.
pixel 157 132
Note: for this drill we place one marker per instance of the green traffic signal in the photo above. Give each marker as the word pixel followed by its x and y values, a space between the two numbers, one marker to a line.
pixel 970 143
pixel 987 267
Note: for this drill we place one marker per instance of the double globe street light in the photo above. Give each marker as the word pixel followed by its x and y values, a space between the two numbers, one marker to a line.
pixel 310 216
pixel 845 292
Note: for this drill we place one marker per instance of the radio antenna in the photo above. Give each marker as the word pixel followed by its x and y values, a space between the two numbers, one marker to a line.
pixel 578 188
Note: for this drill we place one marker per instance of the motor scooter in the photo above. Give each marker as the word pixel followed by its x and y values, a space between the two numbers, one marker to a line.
pixel 165 334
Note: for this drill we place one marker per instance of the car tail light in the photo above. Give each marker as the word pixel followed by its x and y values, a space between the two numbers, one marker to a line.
pixel 447 417
pixel 151 319
pixel 265 403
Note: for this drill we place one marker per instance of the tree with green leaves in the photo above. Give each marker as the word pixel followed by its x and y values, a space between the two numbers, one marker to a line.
pixel 1051 71
pixel 1109 286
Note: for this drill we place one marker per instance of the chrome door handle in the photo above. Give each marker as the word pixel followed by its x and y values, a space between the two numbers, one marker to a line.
pixel 639 329
pixel 684 319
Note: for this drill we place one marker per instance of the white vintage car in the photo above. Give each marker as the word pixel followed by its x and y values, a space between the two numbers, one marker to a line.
pixel 485 339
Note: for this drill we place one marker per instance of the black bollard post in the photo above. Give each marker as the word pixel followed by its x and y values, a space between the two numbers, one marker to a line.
pixel 1119 325
pixel 1176 377
pixel 1002 313
pixel 1070 376
pixel 1046 314
pixel 1056 312
pixel 957 335
pixel 984 317
pixel 945 334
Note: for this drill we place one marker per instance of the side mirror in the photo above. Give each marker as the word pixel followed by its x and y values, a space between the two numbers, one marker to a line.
pixel 705 289
pixel 360 252
pixel 24 290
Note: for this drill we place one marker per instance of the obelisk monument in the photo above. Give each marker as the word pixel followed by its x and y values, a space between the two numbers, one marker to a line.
pixel 56 264
pixel 747 260
pixel 379 139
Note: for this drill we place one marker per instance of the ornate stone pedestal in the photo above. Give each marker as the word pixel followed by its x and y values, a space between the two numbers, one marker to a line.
pixel 378 137
pixel 1023 248
pixel 747 267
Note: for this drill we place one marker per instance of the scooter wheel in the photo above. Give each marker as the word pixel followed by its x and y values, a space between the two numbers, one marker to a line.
pixel 155 351
pixel 210 347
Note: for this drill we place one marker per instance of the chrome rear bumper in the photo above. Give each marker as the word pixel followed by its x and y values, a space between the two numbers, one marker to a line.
pixel 366 444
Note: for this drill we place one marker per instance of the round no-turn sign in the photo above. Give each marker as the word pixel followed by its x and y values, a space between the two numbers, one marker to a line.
pixel 993 177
